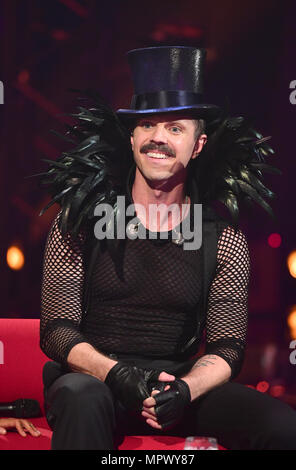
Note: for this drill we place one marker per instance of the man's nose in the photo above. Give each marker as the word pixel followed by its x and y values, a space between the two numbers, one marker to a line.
pixel 159 135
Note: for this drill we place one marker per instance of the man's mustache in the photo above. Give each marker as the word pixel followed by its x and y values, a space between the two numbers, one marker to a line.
pixel 159 148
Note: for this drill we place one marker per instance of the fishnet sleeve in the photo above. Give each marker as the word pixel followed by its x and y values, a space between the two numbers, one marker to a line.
pixel 61 294
pixel 227 314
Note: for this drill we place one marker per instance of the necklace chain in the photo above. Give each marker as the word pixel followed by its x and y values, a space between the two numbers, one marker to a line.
pixel 179 240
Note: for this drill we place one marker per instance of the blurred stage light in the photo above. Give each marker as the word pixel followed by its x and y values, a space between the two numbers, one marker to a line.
pixel 60 35
pixel 291 263
pixel 291 321
pixel 262 386
pixel 15 258
pixel 274 240
pixel 23 76
pixel 277 390
pixel 164 31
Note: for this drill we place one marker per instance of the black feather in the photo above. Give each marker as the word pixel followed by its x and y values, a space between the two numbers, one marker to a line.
pixel 93 169
pixel 230 166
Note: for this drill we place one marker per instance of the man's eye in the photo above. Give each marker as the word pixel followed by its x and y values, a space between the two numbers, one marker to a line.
pixel 147 125
pixel 175 129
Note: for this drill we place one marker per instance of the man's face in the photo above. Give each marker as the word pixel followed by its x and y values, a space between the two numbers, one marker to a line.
pixel 164 144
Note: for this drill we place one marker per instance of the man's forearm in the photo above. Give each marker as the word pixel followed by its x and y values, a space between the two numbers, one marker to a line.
pixel 208 372
pixel 84 358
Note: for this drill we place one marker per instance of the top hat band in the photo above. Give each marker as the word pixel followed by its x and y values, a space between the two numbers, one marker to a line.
pixel 165 99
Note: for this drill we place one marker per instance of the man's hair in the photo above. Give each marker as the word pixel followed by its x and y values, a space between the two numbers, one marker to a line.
pixel 200 127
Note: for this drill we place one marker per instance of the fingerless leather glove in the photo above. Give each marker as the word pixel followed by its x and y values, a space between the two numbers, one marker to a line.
pixel 130 384
pixel 170 404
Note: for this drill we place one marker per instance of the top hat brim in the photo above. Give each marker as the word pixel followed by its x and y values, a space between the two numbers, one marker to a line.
pixel 198 111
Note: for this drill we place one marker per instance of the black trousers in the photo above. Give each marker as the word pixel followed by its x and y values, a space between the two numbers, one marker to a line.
pixel 83 415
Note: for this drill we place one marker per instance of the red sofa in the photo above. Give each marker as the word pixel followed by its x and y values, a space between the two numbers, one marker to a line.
pixel 21 363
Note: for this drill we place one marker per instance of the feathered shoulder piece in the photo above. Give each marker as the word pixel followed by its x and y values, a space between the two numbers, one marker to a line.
pixel 230 168
pixel 93 171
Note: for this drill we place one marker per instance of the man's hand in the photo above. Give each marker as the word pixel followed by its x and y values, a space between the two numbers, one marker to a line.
pixel 131 385
pixel 21 425
pixel 164 408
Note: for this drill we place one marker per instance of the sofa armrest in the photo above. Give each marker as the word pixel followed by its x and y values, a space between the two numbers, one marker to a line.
pixel 21 360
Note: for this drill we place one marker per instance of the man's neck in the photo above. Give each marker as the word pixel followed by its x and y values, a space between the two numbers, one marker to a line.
pixel 157 197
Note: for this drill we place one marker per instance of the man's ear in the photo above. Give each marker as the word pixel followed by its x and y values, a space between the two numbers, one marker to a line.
pixel 132 140
pixel 199 144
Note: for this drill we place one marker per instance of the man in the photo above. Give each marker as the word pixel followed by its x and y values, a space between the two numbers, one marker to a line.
pixel 123 319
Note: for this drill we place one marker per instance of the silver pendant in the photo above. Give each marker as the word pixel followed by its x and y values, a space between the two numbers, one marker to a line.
pixel 179 239
pixel 132 229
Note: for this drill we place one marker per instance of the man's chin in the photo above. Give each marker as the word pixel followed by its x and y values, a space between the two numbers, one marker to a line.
pixel 160 178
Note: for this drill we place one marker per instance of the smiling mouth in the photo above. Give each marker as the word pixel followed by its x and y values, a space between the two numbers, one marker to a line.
pixel 160 156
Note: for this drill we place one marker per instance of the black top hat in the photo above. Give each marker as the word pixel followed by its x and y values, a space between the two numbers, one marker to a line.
pixel 166 79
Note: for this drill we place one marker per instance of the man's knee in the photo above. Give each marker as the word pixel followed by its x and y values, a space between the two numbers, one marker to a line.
pixel 278 427
pixel 272 422
pixel 84 388
pixel 79 394
pixel 81 413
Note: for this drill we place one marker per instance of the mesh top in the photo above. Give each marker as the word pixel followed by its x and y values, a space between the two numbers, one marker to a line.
pixel 152 310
